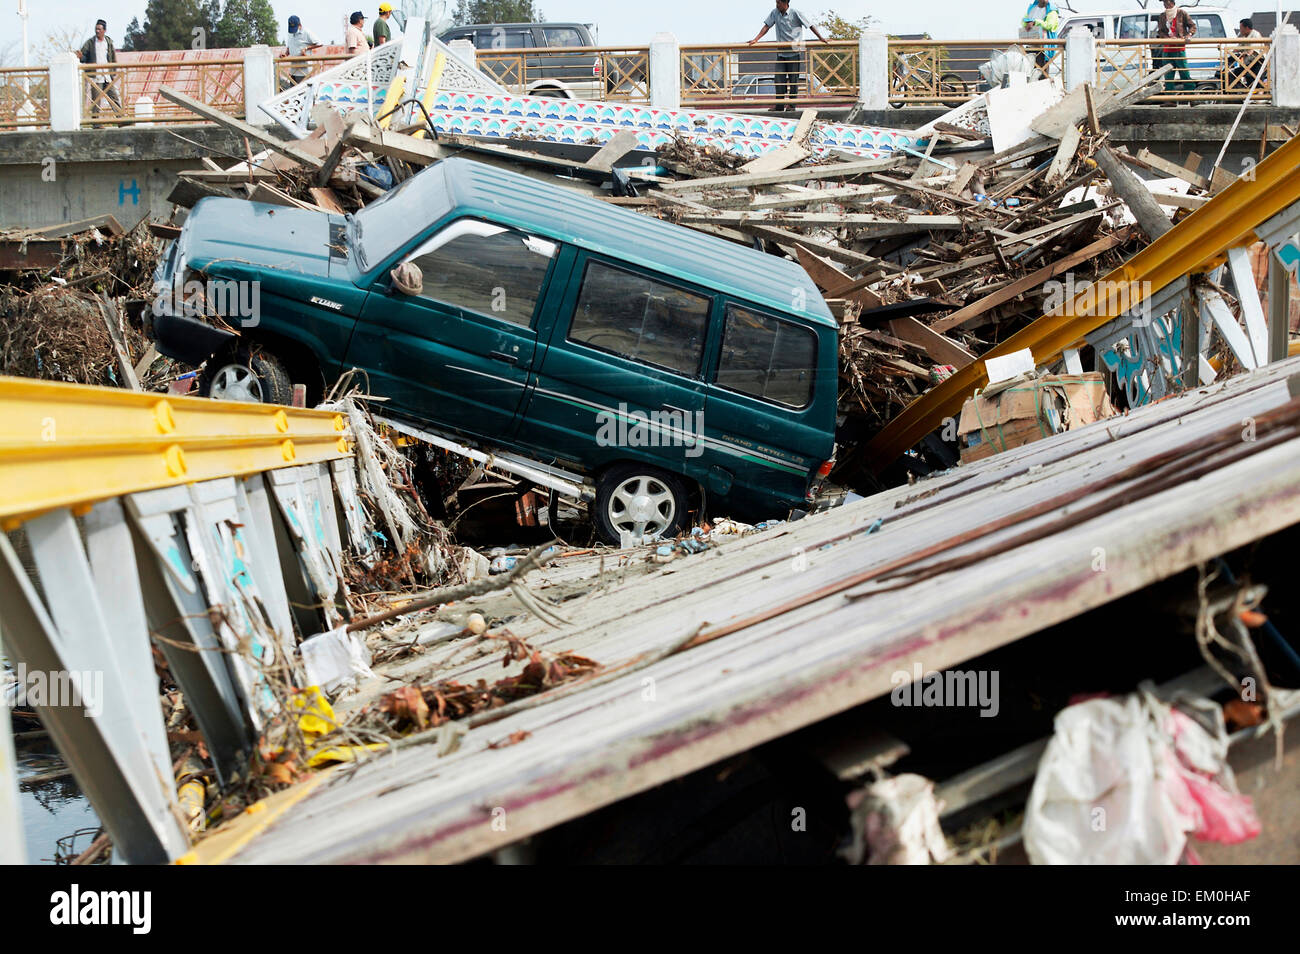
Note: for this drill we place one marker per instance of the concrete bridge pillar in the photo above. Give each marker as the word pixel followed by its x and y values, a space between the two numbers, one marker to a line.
pixel 259 83
pixel 873 70
pixel 1286 67
pixel 1080 58
pixel 665 72
pixel 66 92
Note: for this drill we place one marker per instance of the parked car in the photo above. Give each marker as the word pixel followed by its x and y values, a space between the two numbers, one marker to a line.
pixel 582 74
pixel 661 364
pixel 1204 61
pixel 763 86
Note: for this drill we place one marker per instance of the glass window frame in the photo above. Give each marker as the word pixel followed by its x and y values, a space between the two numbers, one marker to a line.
pixel 714 381
pixel 423 248
pixel 583 269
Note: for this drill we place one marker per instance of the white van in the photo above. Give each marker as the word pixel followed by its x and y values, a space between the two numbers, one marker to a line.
pixel 1132 24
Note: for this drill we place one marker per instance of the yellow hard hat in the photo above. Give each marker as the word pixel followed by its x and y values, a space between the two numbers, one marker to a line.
pixel 385 8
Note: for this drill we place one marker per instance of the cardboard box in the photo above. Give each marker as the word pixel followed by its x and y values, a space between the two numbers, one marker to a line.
pixel 1026 409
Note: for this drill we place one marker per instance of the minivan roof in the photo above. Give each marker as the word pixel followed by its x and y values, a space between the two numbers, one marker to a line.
pixel 564 215
pixel 1067 15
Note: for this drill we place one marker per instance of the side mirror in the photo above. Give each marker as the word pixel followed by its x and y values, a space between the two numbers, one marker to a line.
pixel 407 278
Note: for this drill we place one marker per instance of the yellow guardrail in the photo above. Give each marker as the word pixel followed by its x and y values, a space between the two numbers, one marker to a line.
pixel 67 445
pixel 1195 245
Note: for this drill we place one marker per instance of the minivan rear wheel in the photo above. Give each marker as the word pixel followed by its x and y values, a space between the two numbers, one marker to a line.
pixel 640 500
pixel 243 375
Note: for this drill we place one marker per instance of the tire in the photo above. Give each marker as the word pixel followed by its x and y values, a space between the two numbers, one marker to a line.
pixel 662 512
pixel 244 375
pixel 952 84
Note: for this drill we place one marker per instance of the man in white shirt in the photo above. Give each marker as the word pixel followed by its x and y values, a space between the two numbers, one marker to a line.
pixel 301 42
pixel 355 39
pixel 789 63
pixel 99 49
pixel 1244 64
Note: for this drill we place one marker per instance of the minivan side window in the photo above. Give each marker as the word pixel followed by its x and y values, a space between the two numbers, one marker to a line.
pixel 767 358
pixel 561 36
pixel 1136 27
pixel 641 319
pixel 1208 24
pixel 485 268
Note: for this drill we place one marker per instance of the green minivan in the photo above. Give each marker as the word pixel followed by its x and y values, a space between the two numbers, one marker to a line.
pixel 666 367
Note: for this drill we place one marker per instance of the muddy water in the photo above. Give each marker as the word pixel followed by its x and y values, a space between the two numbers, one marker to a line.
pixel 51 810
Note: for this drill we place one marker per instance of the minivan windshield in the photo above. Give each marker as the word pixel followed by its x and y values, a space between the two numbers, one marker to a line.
pixel 392 220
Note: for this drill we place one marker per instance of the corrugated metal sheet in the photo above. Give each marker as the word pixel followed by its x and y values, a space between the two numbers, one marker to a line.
pixel 964 562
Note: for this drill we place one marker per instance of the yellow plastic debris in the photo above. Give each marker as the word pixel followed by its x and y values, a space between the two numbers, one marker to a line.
pixel 342 753
pixel 318 716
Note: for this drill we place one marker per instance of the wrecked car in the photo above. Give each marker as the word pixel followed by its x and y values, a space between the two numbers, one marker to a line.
pixel 672 370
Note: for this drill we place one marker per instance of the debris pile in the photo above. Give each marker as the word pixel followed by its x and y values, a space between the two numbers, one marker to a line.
pixel 66 294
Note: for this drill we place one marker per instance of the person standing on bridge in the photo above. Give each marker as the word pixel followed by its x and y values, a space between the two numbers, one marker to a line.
pixel 1174 25
pixel 355 39
pixel 301 42
pixel 99 49
pixel 1040 22
pixel 382 33
pixel 1244 65
pixel 789 63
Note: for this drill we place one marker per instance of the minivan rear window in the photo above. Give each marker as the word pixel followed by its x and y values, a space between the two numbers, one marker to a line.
pixel 641 319
pixel 767 358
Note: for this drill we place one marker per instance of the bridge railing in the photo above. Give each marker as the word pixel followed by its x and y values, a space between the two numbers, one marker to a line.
pixel 873 72
pixel 24 98
pixel 942 72
pixel 1219 69
pixel 596 73
pixel 116 93
pixel 292 70
pixel 767 75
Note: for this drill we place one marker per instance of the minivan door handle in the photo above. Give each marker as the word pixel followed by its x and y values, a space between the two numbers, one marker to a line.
pixel 503 356
pixel 677 410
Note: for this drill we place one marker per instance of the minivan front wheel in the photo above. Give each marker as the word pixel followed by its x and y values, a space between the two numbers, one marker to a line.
pixel 640 500
pixel 257 376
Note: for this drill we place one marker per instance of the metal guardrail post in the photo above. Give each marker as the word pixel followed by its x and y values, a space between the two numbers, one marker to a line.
pixel 1080 57
pixel 66 93
pixel 665 72
pixel 1286 67
pixel 873 70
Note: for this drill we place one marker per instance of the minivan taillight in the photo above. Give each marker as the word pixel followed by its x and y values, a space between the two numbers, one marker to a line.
pixel 595 67
pixel 815 485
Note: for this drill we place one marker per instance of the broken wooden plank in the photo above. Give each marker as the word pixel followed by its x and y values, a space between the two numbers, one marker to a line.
pixel 883 225
pixel 269 194
pixel 619 145
pixel 327 199
pixel 962 178
pixel 1054 121
pixel 108 311
pixel 106 222
pixel 782 157
pixel 288 149
pixel 1094 121
pixel 823 273
pixel 1150 217
pixel 1056 172
pixel 832 170
pixel 939 348
pixel 1029 282
pixel 1173 169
